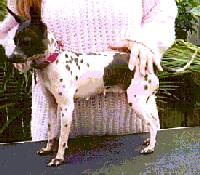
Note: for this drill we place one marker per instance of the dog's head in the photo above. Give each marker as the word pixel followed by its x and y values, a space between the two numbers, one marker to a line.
pixel 31 37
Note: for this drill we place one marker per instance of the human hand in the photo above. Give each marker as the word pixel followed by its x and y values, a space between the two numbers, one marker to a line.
pixel 3 34
pixel 140 54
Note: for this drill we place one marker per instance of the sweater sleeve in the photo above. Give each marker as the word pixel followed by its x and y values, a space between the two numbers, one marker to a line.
pixel 9 22
pixel 157 30
pixel 7 30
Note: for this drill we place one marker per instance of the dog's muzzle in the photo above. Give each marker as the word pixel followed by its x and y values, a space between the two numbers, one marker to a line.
pixel 16 58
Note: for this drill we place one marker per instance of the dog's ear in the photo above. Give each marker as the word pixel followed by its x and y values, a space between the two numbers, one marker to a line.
pixel 18 18
pixel 35 15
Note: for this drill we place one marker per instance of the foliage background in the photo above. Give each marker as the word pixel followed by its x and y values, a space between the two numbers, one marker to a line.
pixel 186 20
pixel 15 97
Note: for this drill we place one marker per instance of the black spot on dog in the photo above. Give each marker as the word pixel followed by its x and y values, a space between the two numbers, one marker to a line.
pixel 63 115
pixel 64 86
pixel 79 67
pixel 147 99
pixel 92 53
pixel 76 78
pixel 88 65
pixel 78 54
pixel 60 93
pixel 145 87
pixel 52 40
pixel 49 126
pixel 145 77
pixel 69 61
pixel 81 61
pixel 135 96
pixel 153 93
pixel 66 56
pixel 57 61
pixel 66 125
pixel 67 67
pixel 117 72
pixel 76 90
pixel 149 81
pixel 61 80
pixel 66 109
pixel 108 87
pixel 76 61
pixel 64 145
pixel 130 104
pixel 71 72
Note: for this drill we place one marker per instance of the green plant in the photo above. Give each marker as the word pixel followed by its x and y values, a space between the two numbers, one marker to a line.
pixel 186 20
pixel 2 9
pixel 180 88
pixel 15 97
pixel 196 11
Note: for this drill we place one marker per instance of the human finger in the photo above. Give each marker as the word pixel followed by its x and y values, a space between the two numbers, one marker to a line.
pixel 143 57
pixel 156 61
pixel 150 64
pixel 133 57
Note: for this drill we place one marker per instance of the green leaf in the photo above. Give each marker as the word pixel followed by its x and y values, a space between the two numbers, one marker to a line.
pixel 196 11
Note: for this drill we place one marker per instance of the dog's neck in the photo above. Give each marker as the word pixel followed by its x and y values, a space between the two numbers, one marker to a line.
pixel 54 46
pixel 54 49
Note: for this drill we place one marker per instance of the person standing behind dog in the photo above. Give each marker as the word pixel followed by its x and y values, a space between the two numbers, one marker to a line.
pixel 145 27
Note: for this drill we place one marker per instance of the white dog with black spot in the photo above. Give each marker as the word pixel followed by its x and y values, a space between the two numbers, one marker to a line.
pixel 66 75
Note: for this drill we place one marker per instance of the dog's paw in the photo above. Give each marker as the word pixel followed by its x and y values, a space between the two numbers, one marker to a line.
pixel 44 151
pixel 55 162
pixel 147 150
pixel 146 142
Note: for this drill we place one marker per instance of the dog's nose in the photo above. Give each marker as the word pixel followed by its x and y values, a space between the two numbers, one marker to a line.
pixel 16 58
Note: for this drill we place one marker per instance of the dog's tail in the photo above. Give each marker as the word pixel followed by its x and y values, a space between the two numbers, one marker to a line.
pixel 176 70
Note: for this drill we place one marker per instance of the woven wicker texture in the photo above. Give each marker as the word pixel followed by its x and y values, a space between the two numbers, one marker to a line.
pixel 105 115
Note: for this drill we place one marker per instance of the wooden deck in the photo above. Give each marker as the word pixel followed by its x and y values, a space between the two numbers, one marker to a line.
pixel 177 152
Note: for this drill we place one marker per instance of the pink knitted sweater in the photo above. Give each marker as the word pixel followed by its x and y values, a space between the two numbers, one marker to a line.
pixel 90 25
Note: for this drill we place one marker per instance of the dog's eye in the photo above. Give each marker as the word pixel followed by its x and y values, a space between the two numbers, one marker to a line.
pixel 26 40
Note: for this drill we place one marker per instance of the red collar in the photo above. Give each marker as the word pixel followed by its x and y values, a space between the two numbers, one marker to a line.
pixel 53 57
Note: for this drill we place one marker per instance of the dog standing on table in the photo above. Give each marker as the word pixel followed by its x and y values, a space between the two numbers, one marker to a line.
pixel 66 75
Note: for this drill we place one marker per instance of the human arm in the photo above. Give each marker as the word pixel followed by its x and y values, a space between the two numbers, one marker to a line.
pixel 9 22
pixel 150 39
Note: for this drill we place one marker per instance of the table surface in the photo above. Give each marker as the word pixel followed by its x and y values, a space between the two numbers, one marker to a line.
pixel 177 151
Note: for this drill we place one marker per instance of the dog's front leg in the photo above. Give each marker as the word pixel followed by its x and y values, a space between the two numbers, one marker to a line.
pixel 52 124
pixel 66 120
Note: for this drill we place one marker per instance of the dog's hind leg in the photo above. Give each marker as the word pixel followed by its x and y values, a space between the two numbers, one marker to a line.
pixel 154 112
pixel 52 124
pixel 154 123
pixel 141 95
pixel 143 110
